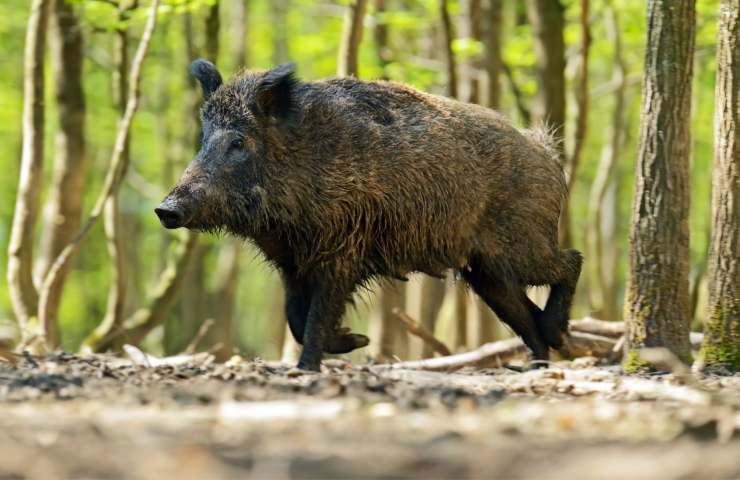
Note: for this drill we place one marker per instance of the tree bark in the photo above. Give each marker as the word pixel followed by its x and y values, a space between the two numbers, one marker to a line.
pixel 449 36
pixel 349 48
pixel 64 207
pixel 601 295
pixel 657 298
pixel 23 293
pixel 722 328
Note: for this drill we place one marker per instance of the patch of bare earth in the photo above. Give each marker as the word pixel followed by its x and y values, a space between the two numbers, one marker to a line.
pixel 65 416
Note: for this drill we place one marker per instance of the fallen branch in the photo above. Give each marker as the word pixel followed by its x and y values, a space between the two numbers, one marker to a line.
pixel 580 344
pixel 496 354
pixel 487 356
pixel 415 328
pixel 615 330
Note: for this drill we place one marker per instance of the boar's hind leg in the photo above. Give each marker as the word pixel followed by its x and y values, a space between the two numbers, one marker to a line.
pixel 324 314
pixel 553 321
pixel 507 302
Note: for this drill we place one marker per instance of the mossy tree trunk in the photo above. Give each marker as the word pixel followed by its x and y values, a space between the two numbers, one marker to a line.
pixel 657 298
pixel 722 328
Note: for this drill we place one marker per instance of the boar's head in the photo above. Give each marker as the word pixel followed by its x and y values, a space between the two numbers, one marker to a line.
pixel 224 187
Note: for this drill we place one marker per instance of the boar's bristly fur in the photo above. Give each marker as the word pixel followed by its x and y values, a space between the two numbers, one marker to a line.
pixel 341 181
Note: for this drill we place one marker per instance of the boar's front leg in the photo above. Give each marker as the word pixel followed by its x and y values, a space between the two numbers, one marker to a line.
pixel 297 303
pixel 324 314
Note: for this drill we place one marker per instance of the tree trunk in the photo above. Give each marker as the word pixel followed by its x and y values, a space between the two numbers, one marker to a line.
pixel 722 329
pixel 112 220
pixel 449 36
pixel 380 35
pixel 389 337
pixel 241 55
pixel 546 18
pixel 213 26
pixel 279 20
pixel 581 96
pixel 23 293
pixel 492 43
pixel 349 48
pixel 470 28
pixel 64 207
pixel 657 298
pixel 600 294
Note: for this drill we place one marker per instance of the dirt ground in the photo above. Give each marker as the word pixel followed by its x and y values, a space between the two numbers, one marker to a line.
pixel 65 416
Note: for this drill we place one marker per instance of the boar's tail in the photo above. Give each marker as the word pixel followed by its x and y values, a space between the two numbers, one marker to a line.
pixel 543 135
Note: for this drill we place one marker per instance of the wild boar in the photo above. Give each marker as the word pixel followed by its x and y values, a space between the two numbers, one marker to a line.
pixel 341 182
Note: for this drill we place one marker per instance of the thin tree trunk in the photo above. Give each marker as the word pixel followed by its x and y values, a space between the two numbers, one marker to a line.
pixel 546 18
pixel 279 21
pixel 449 36
pixel 657 298
pixel 114 177
pixel 213 27
pixel 424 299
pixel 492 42
pixel 722 329
pixel 380 35
pixel 470 28
pixel 389 337
pixel 64 207
pixel 349 48
pixel 241 55
pixel 23 293
pixel 581 96
pixel 112 220
pixel 600 300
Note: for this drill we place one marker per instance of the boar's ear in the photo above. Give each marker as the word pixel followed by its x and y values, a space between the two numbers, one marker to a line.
pixel 275 95
pixel 207 75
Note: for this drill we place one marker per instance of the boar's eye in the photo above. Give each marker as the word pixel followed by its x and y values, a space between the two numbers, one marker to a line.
pixel 237 144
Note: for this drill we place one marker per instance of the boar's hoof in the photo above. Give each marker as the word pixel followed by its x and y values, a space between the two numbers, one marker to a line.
pixel 345 341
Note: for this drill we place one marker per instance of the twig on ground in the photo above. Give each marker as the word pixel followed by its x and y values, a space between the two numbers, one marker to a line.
pixel 415 328
pixel 608 328
pixel 580 344
pixel 202 331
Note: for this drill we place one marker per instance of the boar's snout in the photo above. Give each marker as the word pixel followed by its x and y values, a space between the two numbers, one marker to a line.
pixel 170 214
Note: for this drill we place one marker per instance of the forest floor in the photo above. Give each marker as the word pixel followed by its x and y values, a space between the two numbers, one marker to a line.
pixel 66 416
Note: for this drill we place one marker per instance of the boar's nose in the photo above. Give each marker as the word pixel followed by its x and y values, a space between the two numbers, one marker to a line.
pixel 170 216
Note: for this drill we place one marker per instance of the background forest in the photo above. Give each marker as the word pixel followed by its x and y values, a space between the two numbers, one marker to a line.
pixel 478 51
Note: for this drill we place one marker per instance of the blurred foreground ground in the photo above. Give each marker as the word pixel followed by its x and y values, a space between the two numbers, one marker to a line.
pixel 64 416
